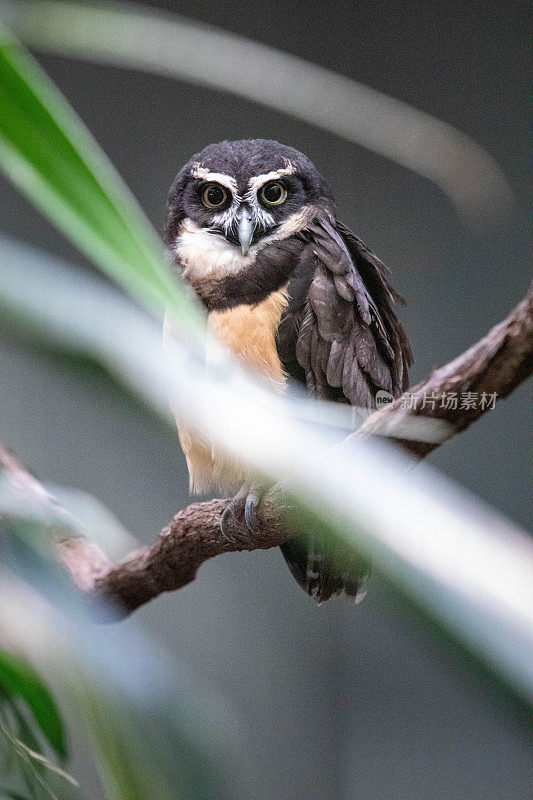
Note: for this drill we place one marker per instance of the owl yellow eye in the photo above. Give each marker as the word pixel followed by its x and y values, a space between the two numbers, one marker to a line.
pixel 273 193
pixel 214 195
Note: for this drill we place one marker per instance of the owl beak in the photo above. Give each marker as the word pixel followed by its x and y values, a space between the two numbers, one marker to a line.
pixel 245 230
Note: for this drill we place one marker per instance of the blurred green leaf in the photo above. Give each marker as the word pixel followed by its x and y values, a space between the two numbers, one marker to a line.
pixel 25 763
pixel 25 731
pixel 153 734
pixel 19 679
pixel 7 794
pixel 143 38
pixel 139 712
pixel 47 151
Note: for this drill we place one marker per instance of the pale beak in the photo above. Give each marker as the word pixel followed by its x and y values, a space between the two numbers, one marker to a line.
pixel 245 230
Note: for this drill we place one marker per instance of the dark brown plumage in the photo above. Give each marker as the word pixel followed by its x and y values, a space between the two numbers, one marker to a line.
pixel 339 337
pixel 339 327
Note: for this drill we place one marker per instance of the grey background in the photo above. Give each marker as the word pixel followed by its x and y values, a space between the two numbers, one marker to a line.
pixel 336 702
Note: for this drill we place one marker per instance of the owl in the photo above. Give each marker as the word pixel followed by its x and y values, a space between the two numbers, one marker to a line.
pixel 295 295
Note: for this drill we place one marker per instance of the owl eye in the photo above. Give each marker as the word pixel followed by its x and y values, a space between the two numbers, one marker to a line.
pixel 273 193
pixel 214 195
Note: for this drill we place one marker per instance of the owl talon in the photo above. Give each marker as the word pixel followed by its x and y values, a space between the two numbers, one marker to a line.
pixel 228 513
pixel 250 511
pixel 242 507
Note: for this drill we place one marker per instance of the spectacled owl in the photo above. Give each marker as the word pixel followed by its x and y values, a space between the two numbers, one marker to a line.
pixel 252 227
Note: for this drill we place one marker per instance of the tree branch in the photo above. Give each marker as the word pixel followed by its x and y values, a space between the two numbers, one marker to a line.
pixel 493 367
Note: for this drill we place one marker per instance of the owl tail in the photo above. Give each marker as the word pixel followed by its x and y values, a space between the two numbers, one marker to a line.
pixel 326 569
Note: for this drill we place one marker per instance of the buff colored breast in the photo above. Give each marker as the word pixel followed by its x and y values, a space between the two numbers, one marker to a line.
pixel 250 332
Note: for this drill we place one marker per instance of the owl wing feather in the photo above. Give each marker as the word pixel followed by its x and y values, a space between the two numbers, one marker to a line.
pixel 340 337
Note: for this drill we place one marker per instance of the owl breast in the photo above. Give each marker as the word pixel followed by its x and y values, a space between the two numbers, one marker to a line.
pixel 249 331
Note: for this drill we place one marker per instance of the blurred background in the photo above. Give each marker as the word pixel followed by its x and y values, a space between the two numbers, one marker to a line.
pixel 334 702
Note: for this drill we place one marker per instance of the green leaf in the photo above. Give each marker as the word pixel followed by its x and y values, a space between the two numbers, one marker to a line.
pixel 19 679
pixel 151 731
pixel 46 150
pixel 7 794
pixel 25 731
pixel 143 38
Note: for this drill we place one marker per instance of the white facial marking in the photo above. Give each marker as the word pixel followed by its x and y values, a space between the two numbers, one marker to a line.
pixel 203 254
pixel 228 219
pixel 296 222
pixel 262 216
pixel 203 174
pixel 255 183
pixel 293 224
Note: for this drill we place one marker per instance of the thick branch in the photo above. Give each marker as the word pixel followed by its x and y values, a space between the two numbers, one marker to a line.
pixel 183 545
pixel 496 365
pixel 493 367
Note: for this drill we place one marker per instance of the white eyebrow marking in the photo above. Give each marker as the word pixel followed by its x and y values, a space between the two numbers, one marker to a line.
pixel 203 173
pixel 262 216
pixel 258 180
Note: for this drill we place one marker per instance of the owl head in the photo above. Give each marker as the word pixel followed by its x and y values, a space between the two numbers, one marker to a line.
pixel 242 193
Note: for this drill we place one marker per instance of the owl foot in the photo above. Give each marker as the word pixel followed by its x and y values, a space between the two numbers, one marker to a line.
pixel 243 506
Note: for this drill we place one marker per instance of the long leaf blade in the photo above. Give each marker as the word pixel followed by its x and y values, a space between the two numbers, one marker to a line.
pixel 47 151
pixel 19 679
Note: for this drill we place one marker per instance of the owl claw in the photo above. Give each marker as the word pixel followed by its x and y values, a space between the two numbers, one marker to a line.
pixel 244 505
pixel 250 511
pixel 227 514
